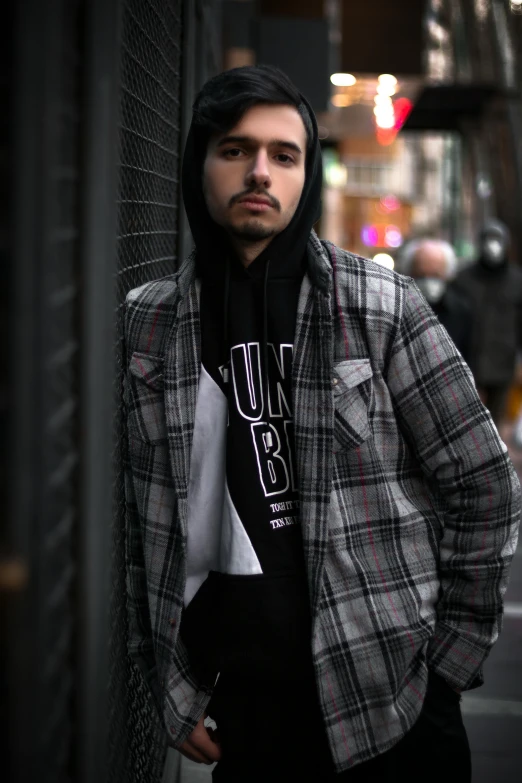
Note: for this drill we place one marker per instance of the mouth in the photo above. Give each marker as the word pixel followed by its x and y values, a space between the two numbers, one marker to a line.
pixel 255 204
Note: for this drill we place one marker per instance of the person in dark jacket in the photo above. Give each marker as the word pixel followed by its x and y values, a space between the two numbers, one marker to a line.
pixel 432 264
pixel 493 287
pixel 320 512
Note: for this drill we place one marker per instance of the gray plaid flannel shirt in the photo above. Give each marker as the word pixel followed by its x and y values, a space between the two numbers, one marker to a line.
pixel 409 502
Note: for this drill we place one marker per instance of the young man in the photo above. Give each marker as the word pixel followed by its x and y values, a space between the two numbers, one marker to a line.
pixel 321 514
pixel 432 264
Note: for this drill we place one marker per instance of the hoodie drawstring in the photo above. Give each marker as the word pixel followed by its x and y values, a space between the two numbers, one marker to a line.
pixel 226 299
pixel 269 440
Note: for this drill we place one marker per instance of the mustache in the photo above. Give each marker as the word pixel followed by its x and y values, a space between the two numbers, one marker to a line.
pixel 256 192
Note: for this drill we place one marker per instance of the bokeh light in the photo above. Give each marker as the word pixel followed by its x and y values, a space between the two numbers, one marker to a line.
pixel 384 260
pixel 369 236
pixel 343 79
pixel 392 236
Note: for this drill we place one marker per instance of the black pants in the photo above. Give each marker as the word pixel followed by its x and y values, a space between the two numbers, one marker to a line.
pixel 270 737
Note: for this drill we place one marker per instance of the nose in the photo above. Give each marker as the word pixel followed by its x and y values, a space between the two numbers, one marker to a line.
pixel 259 173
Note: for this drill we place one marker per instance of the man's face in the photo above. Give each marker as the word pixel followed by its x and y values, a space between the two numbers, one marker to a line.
pixel 429 261
pixel 430 269
pixel 254 174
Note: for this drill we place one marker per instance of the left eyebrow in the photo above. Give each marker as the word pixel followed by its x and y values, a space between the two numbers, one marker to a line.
pixel 289 145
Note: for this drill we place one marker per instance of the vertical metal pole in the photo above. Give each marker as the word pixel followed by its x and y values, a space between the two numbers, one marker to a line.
pixel 101 95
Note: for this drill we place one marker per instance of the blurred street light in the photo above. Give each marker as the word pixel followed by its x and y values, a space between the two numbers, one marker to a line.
pixel 343 79
pixel 387 80
pixel 386 89
pixel 384 111
pixel 384 260
pixel 384 116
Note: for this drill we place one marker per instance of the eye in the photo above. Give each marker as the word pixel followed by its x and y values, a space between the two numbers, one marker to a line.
pixel 233 152
pixel 283 157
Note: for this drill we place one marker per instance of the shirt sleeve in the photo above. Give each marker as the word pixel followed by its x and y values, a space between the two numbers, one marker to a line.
pixel 139 642
pixel 178 698
pixel 460 452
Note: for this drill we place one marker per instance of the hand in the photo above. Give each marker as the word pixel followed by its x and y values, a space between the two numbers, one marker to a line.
pixel 201 746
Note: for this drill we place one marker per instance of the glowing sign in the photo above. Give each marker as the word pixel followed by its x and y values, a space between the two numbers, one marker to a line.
pixel 389 119
pixel 402 107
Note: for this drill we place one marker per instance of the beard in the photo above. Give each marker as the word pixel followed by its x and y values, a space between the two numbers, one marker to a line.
pixel 252 231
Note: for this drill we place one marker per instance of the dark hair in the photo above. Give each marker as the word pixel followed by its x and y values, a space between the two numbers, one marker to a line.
pixel 225 98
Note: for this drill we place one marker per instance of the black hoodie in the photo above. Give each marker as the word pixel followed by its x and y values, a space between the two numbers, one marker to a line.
pixel 246 602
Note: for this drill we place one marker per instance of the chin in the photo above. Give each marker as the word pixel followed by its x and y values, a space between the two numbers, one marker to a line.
pixel 252 231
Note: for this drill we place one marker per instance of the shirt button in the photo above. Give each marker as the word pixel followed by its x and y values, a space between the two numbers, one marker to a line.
pixel 335 381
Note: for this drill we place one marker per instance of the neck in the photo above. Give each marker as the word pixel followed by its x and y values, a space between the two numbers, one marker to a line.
pixel 248 251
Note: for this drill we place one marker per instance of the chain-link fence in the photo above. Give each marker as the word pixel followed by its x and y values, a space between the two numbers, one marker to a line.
pixel 148 195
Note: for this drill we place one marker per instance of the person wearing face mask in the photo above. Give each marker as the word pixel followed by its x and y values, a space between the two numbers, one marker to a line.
pixel 432 264
pixel 493 288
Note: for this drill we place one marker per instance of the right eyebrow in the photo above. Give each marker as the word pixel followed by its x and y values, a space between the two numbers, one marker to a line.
pixel 290 145
pixel 234 140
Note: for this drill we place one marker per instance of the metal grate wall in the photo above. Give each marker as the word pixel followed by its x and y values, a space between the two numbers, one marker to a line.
pixel 147 248
pixel 101 97
pixel 60 443
pixel 44 342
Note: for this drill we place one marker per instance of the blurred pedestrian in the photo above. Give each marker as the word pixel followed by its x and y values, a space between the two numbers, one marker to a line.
pixel 320 513
pixel 493 288
pixel 432 264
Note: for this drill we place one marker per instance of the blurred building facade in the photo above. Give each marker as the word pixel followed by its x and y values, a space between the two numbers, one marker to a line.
pixel 96 105
pixel 450 122
pixel 472 94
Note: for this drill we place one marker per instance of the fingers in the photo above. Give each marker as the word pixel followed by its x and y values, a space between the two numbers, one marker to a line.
pixel 200 745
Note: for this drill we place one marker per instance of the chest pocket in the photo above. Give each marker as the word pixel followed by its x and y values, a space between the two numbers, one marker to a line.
pixel 351 390
pixel 144 398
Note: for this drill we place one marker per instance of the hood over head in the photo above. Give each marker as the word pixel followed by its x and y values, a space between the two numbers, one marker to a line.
pixel 286 251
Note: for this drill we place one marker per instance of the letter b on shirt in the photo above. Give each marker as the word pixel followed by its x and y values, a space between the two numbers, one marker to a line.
pixel 273 469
